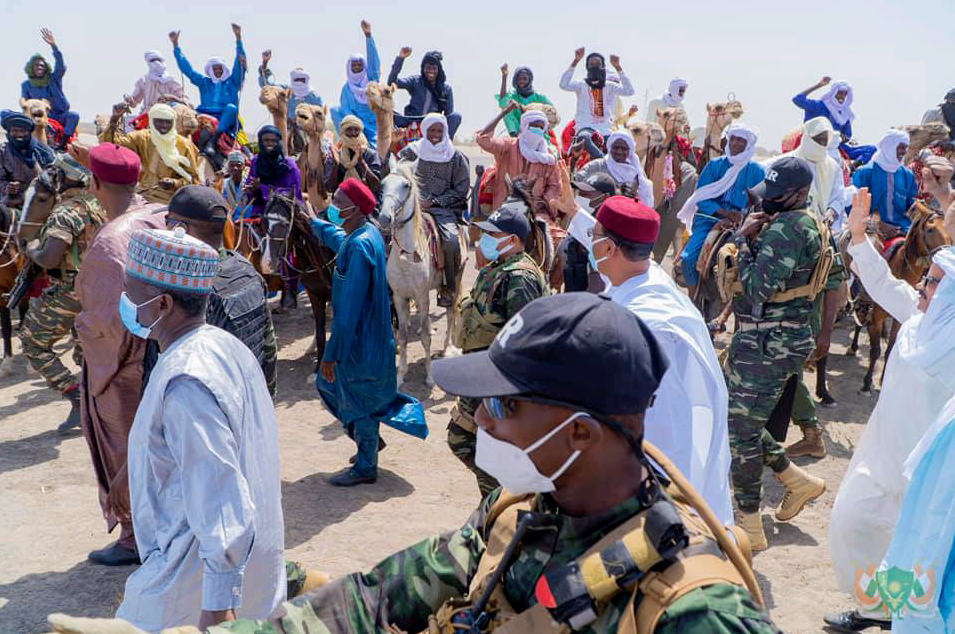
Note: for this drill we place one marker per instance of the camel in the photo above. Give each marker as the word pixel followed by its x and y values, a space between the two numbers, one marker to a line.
pixel 646 136
pixel 718 116
pixel 381 99
pixel 311 119
pixel 921 135
pixel 39 111
pixel 187 121
pixel 276 100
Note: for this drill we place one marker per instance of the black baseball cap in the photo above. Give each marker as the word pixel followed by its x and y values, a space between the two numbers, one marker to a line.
pixel 511 217
pixel 603 183
pixel 199 203
pixel 785 175
pixel 578 349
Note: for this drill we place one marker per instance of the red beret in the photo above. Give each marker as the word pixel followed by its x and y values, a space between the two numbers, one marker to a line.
pixel 359 194
pixel 629 219
pixel 114 164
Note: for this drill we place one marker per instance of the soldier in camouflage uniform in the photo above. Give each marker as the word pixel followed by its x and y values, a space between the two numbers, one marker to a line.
pixel 59 247
pixel 772 341
pixel 530 355
pixel 508 281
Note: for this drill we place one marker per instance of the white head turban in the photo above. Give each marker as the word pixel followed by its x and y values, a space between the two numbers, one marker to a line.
pixel 226 71
pixel 441 152
pixel 533 146
pixel 166 144
pixel 672 97
pixel 887 156
pixel 357 81
pixel 631 170
pixel 841 112
pixel 927 339
pixel 156 63
pixel 720 187
pixel 300 88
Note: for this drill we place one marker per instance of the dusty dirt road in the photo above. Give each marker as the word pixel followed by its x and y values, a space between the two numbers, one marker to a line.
pixel 50 518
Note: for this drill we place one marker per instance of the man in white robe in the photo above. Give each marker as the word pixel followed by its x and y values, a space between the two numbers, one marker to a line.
pixel 919 380
pixel 687 421
pixel 203 462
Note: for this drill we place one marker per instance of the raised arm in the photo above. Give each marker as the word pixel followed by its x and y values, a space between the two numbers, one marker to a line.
pixel 488 130
pixel 238 67
pixel 816 86
pixel 407 82
pixel 182 62
pixel 503 92
pixel 567 81
pixel 371 53
pixel 626 87
pixel 266 77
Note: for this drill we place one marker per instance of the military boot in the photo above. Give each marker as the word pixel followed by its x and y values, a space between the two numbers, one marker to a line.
pixel 752 523
pixel 810 445
pixel 72 421
pixel 800 489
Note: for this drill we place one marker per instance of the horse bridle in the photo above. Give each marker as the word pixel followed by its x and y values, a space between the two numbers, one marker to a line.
pixel 920 260
pixel 398 224
pixel 272 216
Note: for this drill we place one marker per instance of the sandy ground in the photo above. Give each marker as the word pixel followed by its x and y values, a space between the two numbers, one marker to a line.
pixel 50 518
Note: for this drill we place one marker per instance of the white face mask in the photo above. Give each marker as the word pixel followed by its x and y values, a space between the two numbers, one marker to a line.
pixel 512 466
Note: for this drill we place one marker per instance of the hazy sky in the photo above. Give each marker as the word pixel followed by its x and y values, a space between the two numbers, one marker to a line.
pixel 764 52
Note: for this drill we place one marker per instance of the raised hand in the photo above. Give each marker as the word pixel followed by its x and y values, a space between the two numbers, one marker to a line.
pixel 615 62
pixel 825 80
pixel 366 28
pixel 578 55
pixel 405 52
pixel 859 214
pixel 504 70
pixel 266 56
pixel 47 36
pixel 237 30
pixel 174 37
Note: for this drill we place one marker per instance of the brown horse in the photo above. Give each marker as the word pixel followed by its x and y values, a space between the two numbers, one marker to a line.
pixel 908 262
pixel 288 238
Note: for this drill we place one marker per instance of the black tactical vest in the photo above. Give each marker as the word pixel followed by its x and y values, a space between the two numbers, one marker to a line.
pixel 237 303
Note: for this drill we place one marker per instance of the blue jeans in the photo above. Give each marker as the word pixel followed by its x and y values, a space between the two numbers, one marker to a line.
pixel 229 120
pixel 691 252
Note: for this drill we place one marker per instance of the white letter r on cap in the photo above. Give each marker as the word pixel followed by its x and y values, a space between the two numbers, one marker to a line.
pixel 510 328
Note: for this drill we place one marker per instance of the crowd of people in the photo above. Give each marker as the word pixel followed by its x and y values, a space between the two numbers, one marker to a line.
pixel 173 333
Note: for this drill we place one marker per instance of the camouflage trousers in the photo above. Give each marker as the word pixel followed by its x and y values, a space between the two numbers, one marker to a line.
pixel 463 444
pixel 804 408
pixel 49 320
pixel 759 364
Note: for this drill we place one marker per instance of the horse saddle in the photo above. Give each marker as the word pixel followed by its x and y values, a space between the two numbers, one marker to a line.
pixel 434 242
pixel 890 246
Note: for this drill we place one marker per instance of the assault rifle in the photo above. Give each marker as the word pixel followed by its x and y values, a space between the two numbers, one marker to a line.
pixel 22 284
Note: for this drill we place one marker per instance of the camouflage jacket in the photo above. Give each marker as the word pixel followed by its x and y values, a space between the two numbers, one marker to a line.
pixel 404 589
pixel 783 256
pixel 514 284
pixel 74 220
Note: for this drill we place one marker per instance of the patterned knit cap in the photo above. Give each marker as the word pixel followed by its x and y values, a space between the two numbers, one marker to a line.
pixel 172 259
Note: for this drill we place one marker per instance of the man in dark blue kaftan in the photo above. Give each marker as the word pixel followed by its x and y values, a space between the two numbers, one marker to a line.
pixel 357 380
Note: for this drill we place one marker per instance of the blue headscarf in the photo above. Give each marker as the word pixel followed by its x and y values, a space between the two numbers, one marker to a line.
pixel 27 149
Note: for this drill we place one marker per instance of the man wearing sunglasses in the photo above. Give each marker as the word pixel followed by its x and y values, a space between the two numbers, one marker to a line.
pixel 688 419
pixel 567 448
pixel 919 379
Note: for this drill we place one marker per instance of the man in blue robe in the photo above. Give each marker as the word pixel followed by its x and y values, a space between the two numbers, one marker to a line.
pixel 892 184
pixel 358 379
pixel 359 70
pixel 720 193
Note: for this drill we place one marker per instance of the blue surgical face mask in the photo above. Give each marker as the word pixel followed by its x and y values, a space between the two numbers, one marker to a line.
pixel 535 130
pixel 127 313
pixel 590 254
pixel 490 246
pixel 335 215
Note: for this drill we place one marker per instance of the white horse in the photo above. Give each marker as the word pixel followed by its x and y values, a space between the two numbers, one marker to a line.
pixel 411 271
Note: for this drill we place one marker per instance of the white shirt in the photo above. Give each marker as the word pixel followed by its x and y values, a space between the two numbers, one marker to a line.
pixel 870 496
pixel 585 117
pixel 687 421
pixel 204 486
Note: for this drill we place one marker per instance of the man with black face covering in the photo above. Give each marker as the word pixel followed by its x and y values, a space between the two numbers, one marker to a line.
pixel 596 95
pixel 781 256
pixel 21 158
pixel 429 91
